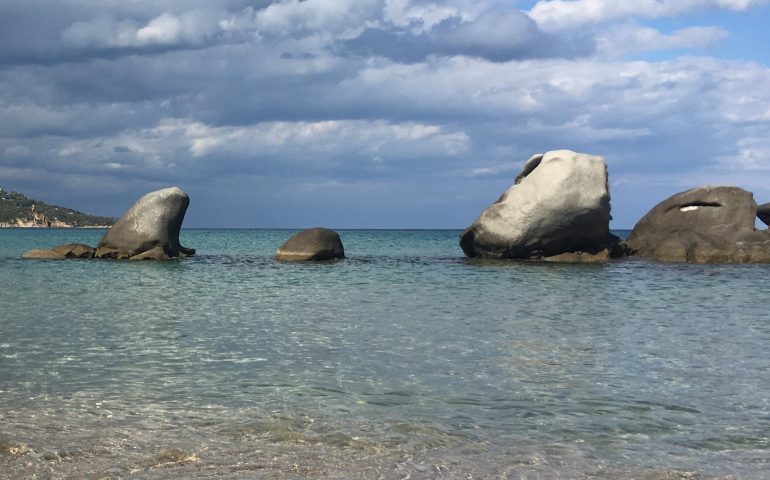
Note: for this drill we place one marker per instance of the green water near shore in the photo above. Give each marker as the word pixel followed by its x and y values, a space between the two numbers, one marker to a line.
pixel 404 360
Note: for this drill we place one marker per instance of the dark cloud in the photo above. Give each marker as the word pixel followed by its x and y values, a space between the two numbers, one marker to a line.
pixel 44 32
pixel 494 35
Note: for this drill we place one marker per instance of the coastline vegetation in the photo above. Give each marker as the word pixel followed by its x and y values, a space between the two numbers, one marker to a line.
pixel 19 210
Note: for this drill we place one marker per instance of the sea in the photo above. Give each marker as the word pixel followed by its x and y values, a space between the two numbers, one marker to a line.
pixel 405 360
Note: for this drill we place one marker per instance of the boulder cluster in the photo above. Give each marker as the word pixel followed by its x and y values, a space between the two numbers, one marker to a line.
pixel 149 230
pixel 557 210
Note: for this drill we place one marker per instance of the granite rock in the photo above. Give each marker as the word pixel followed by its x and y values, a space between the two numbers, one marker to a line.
pixel 312 244
pixel 75 250
pixel 708 224
pixel 153 222
pixel 42 254
pixel 559 203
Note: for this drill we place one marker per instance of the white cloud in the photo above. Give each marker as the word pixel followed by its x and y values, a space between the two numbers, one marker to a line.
pixel 191 27
pixel 565 14
pixel 302 17
pixel 324 145
pixel 164 30
pixel 495 31
pixel 753 155
pixel 363 139
pixel 420 17
pixel 628 40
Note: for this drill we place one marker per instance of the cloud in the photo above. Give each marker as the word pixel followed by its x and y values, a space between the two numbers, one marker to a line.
pixel 569 14
pixel 433 105
pixel 190 28
pixel 339 149
pixel 494 35
pixel 626 40
pixel 293 17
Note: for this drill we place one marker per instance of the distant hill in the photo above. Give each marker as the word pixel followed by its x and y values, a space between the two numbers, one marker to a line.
pixel 18 210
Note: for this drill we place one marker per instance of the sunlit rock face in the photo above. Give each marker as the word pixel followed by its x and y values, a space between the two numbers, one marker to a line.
pixel 149 229
pixel 559 203
pixel 707 224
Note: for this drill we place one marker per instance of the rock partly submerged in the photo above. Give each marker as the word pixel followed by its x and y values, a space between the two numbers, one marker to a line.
pixel 75 250
pixel 42 254
pixel 708 224
pixel 149 230
pixel 558 209
pixel 312 244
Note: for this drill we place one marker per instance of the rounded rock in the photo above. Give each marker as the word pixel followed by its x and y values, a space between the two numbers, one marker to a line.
pixel 311 245
pixel 708 224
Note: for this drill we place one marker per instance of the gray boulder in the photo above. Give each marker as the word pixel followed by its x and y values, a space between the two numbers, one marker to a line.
pixel 152 223
pixel 559 203
pixel 763 212
pixel 61 252
pixel 311 244
pixel 75 250
pixel 704 225
pixel 42 254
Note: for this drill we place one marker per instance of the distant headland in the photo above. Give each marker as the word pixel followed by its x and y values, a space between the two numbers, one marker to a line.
pixel 19 211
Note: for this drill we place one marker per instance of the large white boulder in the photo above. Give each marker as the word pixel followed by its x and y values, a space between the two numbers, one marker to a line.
pixel 559 203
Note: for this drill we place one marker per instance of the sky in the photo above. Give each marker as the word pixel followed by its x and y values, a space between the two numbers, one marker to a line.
pixel 376 113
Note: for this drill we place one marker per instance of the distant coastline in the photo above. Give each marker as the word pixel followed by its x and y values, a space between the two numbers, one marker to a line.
pixel 46 227
pixel 20 211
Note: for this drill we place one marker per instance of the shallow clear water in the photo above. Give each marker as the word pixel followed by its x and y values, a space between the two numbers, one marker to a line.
pixel 403 361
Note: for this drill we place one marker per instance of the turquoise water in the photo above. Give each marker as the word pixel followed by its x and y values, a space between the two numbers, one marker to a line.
pixel 405 360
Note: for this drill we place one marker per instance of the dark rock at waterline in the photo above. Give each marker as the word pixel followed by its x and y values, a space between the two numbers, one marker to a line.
pixel 703 225
pixel 559 204
pixel 75 250
pixel 763 212
pixel 152 225
pixel 312 244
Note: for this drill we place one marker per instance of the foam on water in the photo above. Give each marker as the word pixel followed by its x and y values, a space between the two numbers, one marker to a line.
pixel 403 361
